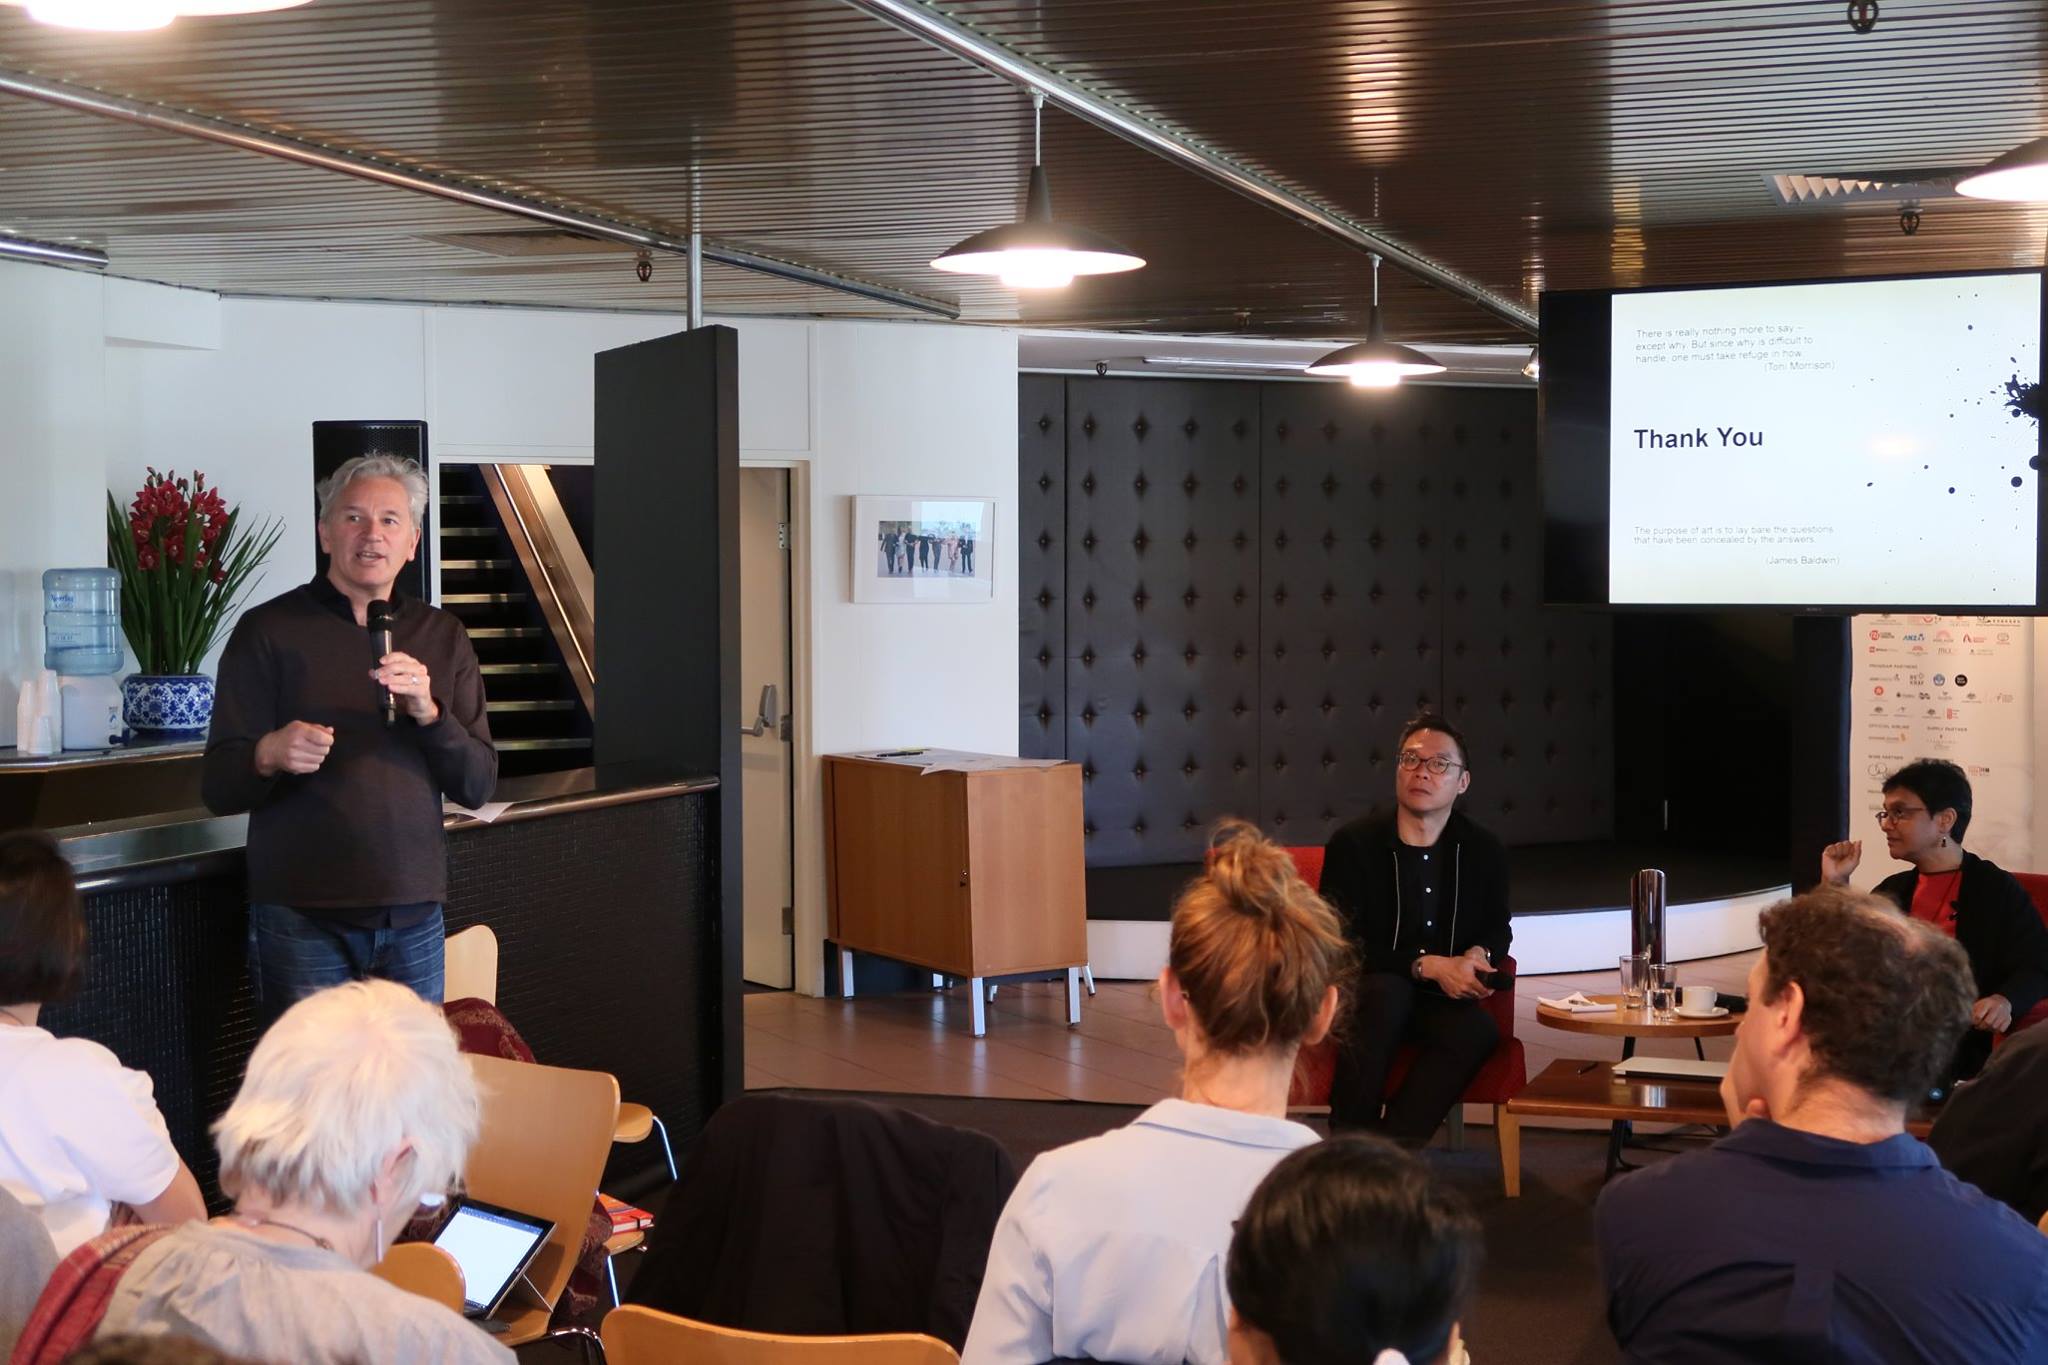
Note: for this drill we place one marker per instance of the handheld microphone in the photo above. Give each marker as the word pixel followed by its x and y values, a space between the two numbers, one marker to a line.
pixel 380 641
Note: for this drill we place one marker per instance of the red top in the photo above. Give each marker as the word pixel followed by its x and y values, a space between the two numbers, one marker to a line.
pixel 1934 899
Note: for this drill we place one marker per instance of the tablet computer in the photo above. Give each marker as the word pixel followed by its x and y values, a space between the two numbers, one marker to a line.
pixel 493 1246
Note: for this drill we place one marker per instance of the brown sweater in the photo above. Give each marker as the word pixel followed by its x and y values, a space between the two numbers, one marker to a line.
pixel 364 831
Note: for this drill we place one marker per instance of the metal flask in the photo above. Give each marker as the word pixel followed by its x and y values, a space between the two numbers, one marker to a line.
pixel 1646 913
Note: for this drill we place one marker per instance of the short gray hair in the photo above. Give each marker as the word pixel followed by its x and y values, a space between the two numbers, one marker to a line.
pixel 345 1078
pixel 402 468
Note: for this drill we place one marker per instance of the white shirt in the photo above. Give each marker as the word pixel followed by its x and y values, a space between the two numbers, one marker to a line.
pixel 78 1133
pixel 1113 1248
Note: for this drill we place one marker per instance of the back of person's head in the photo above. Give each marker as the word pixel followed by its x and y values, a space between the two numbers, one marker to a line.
pixel 1886 998
pixel 1940 785
pixel 1349 1248
pixel 42 926
pixel 1253 946
pixel 345 1078
pixel 128 1349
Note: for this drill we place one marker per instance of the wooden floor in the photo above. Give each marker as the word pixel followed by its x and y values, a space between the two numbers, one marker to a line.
pixel 1121 1052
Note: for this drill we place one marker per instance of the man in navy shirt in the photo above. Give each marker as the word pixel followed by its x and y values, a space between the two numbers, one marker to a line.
pixel 1819 1230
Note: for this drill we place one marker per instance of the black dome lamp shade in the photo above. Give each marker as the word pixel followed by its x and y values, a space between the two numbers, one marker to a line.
pixel 1376 363
pixel 1035 252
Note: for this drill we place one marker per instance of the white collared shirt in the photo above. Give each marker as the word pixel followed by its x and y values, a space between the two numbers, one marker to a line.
pixel 1113 1248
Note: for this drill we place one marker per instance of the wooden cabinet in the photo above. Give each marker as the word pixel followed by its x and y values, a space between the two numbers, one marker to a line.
pixel 973 874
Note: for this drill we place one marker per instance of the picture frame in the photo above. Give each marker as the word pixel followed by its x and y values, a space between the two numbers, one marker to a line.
pixel 923 548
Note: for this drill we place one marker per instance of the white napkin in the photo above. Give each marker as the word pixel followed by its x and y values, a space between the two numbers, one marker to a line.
pixel 1575 1003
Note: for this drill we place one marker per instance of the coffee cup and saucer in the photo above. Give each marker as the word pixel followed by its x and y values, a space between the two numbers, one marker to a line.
pixel 1697 1002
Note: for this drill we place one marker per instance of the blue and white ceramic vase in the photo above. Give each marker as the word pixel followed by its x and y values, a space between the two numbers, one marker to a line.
pixel 167 706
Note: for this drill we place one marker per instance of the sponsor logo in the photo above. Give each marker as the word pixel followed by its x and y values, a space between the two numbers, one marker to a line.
pixel 1940 681
pixel 1915 635
pixel 1962 680
pixel 1878 690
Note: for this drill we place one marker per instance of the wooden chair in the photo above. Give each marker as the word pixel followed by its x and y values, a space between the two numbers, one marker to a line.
pixel 424 1269
pixel 470 971
pixel 546 1133
pixel 641 1336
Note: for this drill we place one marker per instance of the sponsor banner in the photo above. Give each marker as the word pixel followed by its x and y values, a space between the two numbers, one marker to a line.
pixel 1953 687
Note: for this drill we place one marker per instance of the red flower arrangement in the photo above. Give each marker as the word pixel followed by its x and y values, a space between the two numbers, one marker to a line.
pixel 182 568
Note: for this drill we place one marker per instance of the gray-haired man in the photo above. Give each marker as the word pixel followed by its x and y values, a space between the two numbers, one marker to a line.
pixel 347 867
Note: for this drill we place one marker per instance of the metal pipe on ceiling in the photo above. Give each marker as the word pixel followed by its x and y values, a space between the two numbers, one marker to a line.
pixel 57 253
pixel 951 35
pixel 206 128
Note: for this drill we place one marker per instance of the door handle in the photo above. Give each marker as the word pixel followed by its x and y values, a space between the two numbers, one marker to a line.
pixel 765 717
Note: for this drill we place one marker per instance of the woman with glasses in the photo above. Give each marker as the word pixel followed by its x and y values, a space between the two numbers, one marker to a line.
pixel 1424 896
pixel 1926 812
pixel 356 1109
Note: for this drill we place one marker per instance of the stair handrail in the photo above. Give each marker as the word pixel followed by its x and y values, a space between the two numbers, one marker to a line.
pixel 554 563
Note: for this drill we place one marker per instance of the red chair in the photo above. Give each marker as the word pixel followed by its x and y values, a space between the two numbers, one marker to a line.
pixel 2037 888
pixel 1505 1075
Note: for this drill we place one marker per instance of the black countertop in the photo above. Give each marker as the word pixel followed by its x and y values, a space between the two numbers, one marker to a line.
pixel 181 845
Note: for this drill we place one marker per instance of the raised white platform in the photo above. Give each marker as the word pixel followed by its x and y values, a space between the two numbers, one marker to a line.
pixel 1556 941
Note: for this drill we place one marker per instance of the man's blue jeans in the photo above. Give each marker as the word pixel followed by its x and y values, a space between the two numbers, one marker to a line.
pixel 292 955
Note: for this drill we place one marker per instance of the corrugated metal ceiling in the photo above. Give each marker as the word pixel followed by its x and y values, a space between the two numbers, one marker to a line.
pixel 1525 144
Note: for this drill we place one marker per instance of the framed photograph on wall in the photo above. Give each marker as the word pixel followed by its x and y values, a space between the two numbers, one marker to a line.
pixel 924 549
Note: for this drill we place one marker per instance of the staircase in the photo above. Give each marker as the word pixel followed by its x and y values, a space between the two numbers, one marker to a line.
pixel 538 721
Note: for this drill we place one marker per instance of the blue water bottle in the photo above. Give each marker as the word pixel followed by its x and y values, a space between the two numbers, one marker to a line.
pixel 82 622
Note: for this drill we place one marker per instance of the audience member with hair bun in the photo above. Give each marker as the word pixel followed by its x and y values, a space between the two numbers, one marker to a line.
pixel 1112 1248
pixel 81 1139
pixel 356 1109
pixel 1349 1253
pixel 1926 812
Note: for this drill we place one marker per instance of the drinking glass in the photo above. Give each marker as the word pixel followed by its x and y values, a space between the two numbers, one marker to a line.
pixel 1663 990
pixel 1635 974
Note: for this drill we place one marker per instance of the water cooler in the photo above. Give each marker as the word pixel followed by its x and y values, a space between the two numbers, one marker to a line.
pixel 82 645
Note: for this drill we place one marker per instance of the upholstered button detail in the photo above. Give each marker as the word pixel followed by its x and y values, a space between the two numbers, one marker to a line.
pixel 1087 656
pixel 1045 423
pixel 1141 484
pixel 1237 708
pixel 1238 653
pixel 1187 542
pixel 1138 825
pixel 1187 711
pixel 1237 485
pixel 1329 651
pixel 1237 427
pixel 1044 482
pixel 1237 765
pixel 1190 822
pixel 1088 484
pixel 1087 771
pixel 1329 760
pixel 1238 540
pixel 1044 715
pixel 1280 430
pixel 1329 431
pixel 1140 598
pixel 1374 540
pixel 1189 484
pixel 1188 598
pixel 1329 540
pixel 1044 657
pixel 1280 707
pixel 1088 598
pixel 1141 426
pixel 1279 649
pixel 1188 769
pixel 1088 425
pixel 1280 485
pixel 1044 598
pixel 1189 655
pixel 1138 713
pixel 1138 771
pixel 1088 541
pixel 1138 654
pixel 1279 540
pixel 1190 427
pixel 1088 715
pixel 1044 540
pixel 1329 593
pixel 1140 541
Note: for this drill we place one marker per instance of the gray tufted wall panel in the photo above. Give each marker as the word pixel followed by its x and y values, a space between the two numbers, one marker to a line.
pixel 1530 686
pixel 1162 610
pixel 1041 566
pixel 1353 623
pixel 1261 581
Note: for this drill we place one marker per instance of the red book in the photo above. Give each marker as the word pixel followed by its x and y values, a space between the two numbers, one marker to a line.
pixel 625 1217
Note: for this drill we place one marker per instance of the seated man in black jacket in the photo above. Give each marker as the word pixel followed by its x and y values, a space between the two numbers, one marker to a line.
pixel 1993 1132
pixel 1424 896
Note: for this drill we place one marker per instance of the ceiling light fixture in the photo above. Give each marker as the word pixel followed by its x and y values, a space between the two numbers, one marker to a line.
pixel 136 16
pixel 1035 252
pixel 1376 363
pixel 52 253
pixel 2021 174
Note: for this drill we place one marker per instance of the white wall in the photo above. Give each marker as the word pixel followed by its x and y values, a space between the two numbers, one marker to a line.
pixel 900 408
pixel 102 377
pixel 52 452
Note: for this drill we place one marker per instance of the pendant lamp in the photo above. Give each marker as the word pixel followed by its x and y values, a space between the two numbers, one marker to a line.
pixel 2021 174
pixel 1035 252
pixel 1376 363
pixel 135 16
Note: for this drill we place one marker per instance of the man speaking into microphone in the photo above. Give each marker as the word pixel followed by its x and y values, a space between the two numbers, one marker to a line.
pixel 341 717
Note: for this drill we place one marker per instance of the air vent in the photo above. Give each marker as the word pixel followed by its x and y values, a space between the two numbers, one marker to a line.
pixel 527 242
pixel 1814 187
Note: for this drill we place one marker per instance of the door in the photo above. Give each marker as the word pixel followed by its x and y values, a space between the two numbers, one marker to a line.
pixel 768 950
